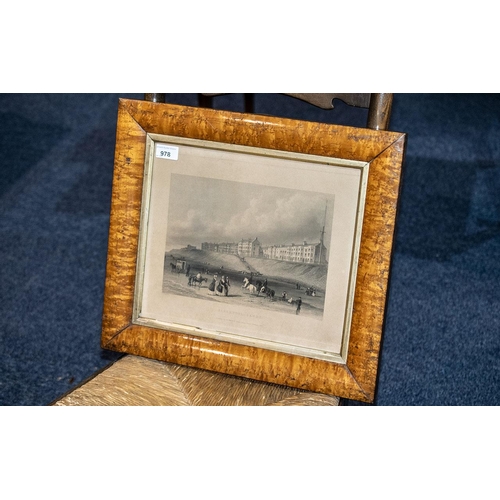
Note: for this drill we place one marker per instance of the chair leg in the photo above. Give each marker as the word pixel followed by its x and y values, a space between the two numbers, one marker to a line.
pixel 249 103
pixel 205 101
pixel 380 111
pixel 154 97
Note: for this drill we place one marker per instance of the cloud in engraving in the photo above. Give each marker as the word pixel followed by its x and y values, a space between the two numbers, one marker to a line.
pixel 226 211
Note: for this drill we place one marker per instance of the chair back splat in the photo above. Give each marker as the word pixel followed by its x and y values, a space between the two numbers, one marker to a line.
pixel 379 105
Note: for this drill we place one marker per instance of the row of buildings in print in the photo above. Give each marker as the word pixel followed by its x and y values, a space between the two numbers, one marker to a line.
pixel 307 253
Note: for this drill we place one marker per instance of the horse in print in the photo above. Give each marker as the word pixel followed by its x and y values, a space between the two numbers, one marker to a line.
pixel 268 292
pixel 196 279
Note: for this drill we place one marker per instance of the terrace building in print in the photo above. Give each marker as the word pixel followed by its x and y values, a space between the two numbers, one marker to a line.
pixel 210 247
pixel 250 248
pixel 245 248
pixel 229 248
pixel 307 253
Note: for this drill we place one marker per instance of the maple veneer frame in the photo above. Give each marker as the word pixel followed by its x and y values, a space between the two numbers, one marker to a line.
pixel 383 150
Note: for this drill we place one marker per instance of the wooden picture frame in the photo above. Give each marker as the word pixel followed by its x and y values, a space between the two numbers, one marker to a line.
pixel 166 153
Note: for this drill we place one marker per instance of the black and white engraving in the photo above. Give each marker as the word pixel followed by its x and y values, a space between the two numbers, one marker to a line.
pixel 248 244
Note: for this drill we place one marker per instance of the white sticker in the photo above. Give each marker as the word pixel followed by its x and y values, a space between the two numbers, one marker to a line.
pixel 167 152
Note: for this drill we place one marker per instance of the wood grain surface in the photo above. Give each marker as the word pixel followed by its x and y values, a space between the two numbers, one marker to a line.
pixel 383 150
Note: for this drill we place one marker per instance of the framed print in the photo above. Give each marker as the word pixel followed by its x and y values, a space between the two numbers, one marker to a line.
pixel 253 246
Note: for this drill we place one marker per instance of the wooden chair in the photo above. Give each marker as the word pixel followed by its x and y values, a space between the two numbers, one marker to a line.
pixel 134 380
pixel 379 105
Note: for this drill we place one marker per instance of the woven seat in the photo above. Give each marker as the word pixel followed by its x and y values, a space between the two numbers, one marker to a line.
pixel 137 381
